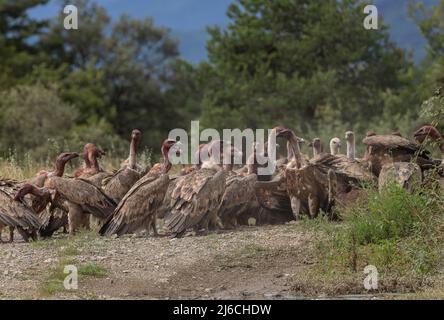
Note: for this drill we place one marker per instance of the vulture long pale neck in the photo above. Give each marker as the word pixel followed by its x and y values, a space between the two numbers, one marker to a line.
pixel 290 152
pixel 295 150
pixel 351 148
pixel 133 152
pixel 59 168
pixel 95 164
pixel 316 151
pixel 166 166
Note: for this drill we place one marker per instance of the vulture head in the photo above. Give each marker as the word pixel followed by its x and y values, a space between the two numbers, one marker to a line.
pixel 170 144
pixel 42 196
pixel 350 136
pixel 335 145
pixel 427 131
pixel 91 152
pixel 60 162
pixel 316 144
pixel 63 158
pixel 136 136
pixel 370 134
pixel 284 132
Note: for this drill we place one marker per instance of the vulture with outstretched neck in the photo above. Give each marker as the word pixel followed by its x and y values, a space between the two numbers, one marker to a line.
pixel 15 213
pixel 272 195
pixel 196 197
pixel 118 184
pixel 384 149
pixel 52 219
pixel 59 169
pixel 138 208
pixel 311 186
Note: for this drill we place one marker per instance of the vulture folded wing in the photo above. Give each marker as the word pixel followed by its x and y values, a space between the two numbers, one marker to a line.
pixel 52 220
pixel 239 192
pixel 118 184
pixel 345 167
pixel 165 209
pixel 390 142
pixel 272 195
pixel 84 193
pixel 16 213
pixel 137 207
pixel 194 196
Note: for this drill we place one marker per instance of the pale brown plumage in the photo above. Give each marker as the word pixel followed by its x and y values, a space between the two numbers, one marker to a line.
pixel 121 181
pixel 310 187
pixel 383 149
pixel 237 199
pixel 83 193
pixel 136 210
pixel 272 195
pixel 195 200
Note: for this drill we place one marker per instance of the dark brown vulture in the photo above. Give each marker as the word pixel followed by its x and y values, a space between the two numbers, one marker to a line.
pixel 52 220
pixel 383 149
pixel 15 212
pixel 138 208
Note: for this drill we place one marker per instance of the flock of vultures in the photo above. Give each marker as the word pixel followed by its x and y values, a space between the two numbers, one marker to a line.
pixel 211 195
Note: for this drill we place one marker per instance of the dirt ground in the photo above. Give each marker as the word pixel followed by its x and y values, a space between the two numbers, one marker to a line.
pixel 250 263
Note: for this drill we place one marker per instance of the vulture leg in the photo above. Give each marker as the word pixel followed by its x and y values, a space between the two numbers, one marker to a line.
pixel 11 234
pixel 21 231
pixel 154 226
pixel 313 206
pixel 85 221
pixel 295 207
pixel 75 214
pixel 216 221
pixel 65 230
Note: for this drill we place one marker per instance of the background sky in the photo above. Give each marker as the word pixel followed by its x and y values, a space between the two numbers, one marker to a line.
pixel 188 20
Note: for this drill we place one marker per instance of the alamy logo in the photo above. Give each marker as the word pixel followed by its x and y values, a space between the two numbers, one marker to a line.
pixel 371 280
pixel 71 21
pixel 371 21
pixel 71 280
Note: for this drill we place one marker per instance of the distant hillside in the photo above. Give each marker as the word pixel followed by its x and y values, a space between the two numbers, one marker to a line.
pixel 402 29
pixel 188 20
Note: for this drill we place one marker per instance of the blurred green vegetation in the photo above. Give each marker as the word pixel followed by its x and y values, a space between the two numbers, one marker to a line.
pixel 308 64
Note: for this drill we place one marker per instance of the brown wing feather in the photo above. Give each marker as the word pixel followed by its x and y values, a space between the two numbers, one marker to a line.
pixel 239 193
pixel 138 207
pixel 16 213
pixel 194 197
pixel 52 220
pixel 84 193
pixel 117 185
pixel 390 142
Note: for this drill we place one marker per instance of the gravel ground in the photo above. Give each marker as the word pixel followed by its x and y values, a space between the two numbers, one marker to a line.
pixel 250 263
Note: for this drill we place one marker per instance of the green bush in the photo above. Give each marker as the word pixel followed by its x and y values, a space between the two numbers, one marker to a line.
pixel 398 232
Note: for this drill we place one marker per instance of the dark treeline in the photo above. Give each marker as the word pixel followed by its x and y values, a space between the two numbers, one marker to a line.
pixel 308 64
